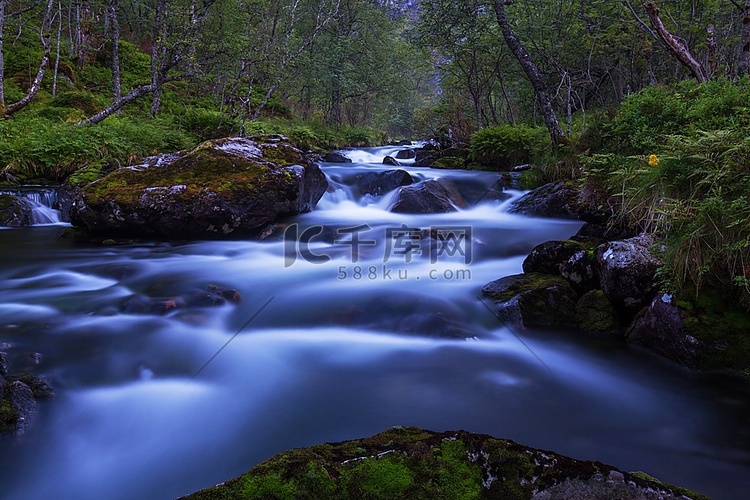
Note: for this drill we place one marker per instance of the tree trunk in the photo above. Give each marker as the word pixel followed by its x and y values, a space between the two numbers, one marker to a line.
pixel 37 83
pixel 675 46
pixel 158 54
pixel 118 105
pixel 743 68
pixel 57 49
pixel 2 59
pixel 113 13
pixel 532 73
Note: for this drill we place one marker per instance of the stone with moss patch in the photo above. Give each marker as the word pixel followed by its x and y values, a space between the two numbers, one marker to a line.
pixel 220 188
pixel 707 332
pixel 417 464
pixel 533 300
pixel 595 314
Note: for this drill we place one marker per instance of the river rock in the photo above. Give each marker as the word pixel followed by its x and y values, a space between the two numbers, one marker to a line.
pixel 707 332
pixel 533 300
pixel 560 200
pixel 416 463
pixel 379 183
pixel 15 211
pixel 627 272
pixel 406 154
pixel 221 188
pixel 40 385
pixel 18 408
pixel 549 257
pixel 580 271
pixel 336 157
pixel 660 329
pixel 428 197
pixel 3 364
pixel 390 160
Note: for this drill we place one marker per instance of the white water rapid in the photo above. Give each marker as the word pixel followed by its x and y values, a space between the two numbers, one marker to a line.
pixel 336 336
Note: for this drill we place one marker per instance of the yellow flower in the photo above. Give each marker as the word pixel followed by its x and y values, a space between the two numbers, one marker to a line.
pixel 653 160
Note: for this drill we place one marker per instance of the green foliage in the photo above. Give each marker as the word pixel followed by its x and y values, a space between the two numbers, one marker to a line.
pixel 505 146
pixel 646 118
pixel 86 101
pixel 206 123
pixel 375 477
pixel 34 146
pixel 695 198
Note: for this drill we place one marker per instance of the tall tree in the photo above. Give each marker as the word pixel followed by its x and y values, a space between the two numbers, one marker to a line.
pixel 36 84
pixel 677 47
pixel 532 72
pixel 743 68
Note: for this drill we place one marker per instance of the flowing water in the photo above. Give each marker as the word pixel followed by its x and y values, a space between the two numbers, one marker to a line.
pixel 350 322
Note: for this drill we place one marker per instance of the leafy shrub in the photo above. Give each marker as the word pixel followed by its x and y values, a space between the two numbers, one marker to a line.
pixel 505 146
pixel 303 137
pixel 79 99
pixel 206 123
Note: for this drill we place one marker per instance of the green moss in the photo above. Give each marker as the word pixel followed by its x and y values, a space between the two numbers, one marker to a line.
pixel 457 477
pixel 679 490
pixel 722 326
pixel 452 162
pixel 270 485
pixel 528 282
pixel 377 477
pixel 8 417
pixel 595 314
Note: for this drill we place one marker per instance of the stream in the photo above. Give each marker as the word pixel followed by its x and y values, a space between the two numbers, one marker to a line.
pixel 350 320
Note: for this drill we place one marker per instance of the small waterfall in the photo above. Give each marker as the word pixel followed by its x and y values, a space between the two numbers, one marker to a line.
pixel 43 204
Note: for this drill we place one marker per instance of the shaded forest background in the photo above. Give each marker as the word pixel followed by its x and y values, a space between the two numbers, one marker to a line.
pixel 653 101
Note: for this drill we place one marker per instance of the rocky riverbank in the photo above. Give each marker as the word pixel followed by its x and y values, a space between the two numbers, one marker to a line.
pixel 604 281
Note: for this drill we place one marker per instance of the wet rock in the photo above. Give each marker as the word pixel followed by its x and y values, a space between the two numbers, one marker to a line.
pixel 3 364
pixel 406 154
pixel 40 385
pixel 549 257
pixel 428 197
pixel 580 271
pixel 627 272
pixel 18 408
pixel 390 160
pixel 379 183
pixel 605 232
pixel 3 383
pixel 336 157
pixel 560 200
pixel 416 463
pixel 707 332
pixel 660 329
pixel 222 188
pixel 533 300
pixel 15 211
pixel 595 314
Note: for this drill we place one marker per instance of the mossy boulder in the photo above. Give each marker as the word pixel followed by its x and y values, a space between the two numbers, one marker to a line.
pixel 595 314
pixel 707 332
pixel 533 300
pixel 417 464
pixel 222 188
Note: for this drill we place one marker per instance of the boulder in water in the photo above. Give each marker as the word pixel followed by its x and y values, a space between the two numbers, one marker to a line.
pixel 336 157
pixel 533 300
pixel 428 197
pixel 406 154
pixel 561 200
pixel 221 188
pixel 627 273
pixel 390 160
pixel 379 183
pixel 549 257
pixel 15 211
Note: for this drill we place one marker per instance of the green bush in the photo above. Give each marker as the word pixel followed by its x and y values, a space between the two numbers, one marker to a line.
pixel 79 99
pixel 505 146
pixel 207 123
